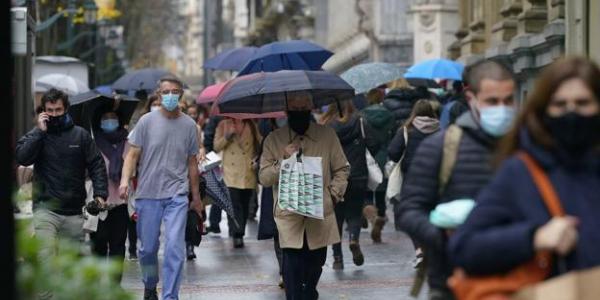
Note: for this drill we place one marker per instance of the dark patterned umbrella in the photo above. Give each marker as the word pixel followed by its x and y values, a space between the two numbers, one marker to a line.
pixel 217 190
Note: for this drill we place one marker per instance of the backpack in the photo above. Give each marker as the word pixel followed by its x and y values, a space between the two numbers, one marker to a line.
pixel 445 116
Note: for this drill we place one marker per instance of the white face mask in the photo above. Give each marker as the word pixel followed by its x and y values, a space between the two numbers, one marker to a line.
pixel 154 108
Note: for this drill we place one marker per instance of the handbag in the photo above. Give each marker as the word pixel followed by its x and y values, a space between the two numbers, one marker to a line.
pixel 375 173
pixel 395 179
pixel 502 286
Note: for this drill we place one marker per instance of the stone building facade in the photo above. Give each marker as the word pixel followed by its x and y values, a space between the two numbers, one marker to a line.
pixel 525 34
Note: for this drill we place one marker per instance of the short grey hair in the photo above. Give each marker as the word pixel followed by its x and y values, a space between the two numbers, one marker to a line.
pixel 172 79
pixel 486 69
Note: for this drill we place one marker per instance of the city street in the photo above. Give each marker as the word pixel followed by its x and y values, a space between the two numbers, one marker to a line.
pixel 221 272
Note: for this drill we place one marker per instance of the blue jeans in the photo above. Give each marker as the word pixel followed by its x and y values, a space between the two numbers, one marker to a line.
pixel 151 212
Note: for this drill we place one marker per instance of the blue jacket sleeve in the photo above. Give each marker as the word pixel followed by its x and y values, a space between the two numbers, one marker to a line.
pixel 419 194
pixel 495 237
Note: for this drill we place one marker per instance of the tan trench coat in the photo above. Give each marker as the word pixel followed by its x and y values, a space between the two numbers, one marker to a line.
pixel 318 141
pixel 238 154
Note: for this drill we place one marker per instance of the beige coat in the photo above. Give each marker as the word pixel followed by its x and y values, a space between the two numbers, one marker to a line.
pixel 238 152
pixel 319 141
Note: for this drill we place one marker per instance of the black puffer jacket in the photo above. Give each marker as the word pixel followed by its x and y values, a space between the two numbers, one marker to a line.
pixel 400 102
pixel 355 146
pixel 398 146
pixel 61 160
pixel 419 197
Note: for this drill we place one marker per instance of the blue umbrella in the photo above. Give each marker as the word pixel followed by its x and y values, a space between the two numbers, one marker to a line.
pixel 288 55
pixel 143 79
pixel 436 69
pixel 231 59
pixel 269 91
pixel 365 77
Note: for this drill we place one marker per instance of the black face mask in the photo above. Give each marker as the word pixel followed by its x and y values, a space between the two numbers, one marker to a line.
pixel 299 121
pixel 574 132
pixel 58 123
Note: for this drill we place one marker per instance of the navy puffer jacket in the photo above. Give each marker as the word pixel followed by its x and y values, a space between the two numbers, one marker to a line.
pixel 400 102
pixel 472 171
pixel 498 234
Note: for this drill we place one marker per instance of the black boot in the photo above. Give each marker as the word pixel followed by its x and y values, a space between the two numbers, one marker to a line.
pixel 150 294
pixel 190 252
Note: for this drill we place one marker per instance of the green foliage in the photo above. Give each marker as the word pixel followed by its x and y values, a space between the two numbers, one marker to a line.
pixel 68 275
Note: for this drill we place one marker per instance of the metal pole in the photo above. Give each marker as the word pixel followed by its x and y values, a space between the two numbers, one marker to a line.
pixel 96 53
pixel 70 26
pixel 205 42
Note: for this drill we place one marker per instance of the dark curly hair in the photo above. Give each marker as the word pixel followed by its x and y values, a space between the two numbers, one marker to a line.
pixel 54 95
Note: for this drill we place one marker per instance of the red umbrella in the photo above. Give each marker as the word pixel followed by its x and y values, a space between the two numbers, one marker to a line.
pixel 210 93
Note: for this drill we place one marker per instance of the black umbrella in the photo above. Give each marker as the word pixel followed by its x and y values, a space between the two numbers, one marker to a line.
pixel 265 92
pixel 218 192
pixel 143 79
pixel 85 106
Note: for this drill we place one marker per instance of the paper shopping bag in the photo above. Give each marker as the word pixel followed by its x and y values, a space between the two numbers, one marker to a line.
pixel 301 186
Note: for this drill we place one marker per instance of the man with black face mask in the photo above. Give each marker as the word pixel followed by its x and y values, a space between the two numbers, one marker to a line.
pixel 304 240
pixel 61 153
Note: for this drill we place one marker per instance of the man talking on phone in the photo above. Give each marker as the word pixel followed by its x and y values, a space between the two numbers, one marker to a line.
pixel 61 154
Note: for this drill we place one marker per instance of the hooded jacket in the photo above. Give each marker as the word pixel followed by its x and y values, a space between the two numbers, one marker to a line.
pixel 422 128
pixel 381 120
pixel 61 160
pixel 498 234
pixel 420 192
pixel 355 146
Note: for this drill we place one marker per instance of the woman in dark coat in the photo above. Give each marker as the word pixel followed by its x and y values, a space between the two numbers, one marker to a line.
pixel 348 129
pixel 560 129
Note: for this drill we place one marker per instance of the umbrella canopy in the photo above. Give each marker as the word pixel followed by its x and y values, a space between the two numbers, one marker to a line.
pixel 365 77
pixel 232 59
pixel 85 106
pixel 288 55
pixel 436 69
pixel 143 79
pixel 210 93
pixel 269 91
pixel 65 83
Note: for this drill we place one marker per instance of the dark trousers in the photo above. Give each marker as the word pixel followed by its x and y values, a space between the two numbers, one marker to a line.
pixel 302 269
pixel 240 199
pixel 278 251
pixel 109 239
pixel 132 237
pixel 377 198
pixel 350 211
pixel 214 216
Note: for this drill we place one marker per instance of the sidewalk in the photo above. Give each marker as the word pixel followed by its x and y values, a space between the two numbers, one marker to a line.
pixel 221 272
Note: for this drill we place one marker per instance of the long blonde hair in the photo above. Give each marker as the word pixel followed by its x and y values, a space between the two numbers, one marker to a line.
pixel 333 112
pixel 422 108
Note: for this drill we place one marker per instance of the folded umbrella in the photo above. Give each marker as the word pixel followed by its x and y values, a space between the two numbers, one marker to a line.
pixel 288 55
pixel 365 77
pixel 269 91
pixel 218 192
pixel 143 79
pixel 230 59
pixel 68 84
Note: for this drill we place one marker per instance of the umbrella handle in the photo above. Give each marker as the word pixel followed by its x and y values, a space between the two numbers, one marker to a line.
pixel 339 106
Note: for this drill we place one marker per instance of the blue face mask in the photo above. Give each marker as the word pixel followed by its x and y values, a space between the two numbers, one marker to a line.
pixel 496 120
pixel 109 125
pixel 170 101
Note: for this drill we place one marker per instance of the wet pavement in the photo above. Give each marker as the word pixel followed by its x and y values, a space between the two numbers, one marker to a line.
pixel 221 272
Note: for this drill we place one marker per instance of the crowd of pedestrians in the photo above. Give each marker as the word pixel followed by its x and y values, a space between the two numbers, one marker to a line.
pixel 471 148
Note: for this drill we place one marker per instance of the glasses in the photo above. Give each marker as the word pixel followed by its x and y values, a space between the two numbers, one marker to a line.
pixel 173 91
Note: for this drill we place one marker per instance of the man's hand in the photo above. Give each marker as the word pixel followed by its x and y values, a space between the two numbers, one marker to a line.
pixel 558 235
pixel 289 150
pixel 42 119
pixel 197 205
pixel 124 191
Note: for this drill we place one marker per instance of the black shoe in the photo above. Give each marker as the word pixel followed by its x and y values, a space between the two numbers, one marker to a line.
pixel 214 229
pixel 150 294
pixel 338 263
pixel 190 252
pixel 238 243
pixel 357 255
pixel 133 256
